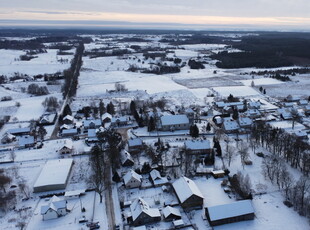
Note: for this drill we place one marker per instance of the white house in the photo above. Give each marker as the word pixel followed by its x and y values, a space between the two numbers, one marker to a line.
pixel 56 208
pixel 157 179
pixel 66 147
pixel 132 179
pixel 174 122
pixel 142 213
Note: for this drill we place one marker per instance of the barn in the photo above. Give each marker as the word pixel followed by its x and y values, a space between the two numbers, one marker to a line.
pixel 230 213
pixel 54 175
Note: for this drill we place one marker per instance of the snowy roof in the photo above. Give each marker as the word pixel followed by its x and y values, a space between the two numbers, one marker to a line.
pixel 185 188
pixel 197 145
pixel 74 192
pixel 252 112
pixel 244 121
pixel 235 209
pixel 167 211
pixel 68 117
pixel 300 133
pixel 303 102
pixel 48 117
pixel 119 119
pixel 230 125
pixel 132 174
pixel 254 104
pixel 139 206
pixel 25 140
pixel 189 110
pixel 69 131
pixel 91 133
pixel 96 122
pixel 54 172
pixel 157 178
pixel 19 130
pixel 54 204
pixel 174 119
pixel 106 115
pixel 139 228
pixel 178 223
pixel 67 144
pixel 134 142
pixel 64 126
pixel 126 156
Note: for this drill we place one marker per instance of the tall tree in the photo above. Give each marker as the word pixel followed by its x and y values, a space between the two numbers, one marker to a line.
pixel 67 110
pixel 132 107
pixel 151 125
pixel 42 132
pixel 101 108
pixel 110 108
pixel 194 131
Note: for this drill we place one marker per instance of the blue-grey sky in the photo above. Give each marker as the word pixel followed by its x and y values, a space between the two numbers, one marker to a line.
pixel 252 13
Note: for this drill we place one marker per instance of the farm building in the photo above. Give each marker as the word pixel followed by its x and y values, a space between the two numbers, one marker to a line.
pixel 69 132
pixel 54 209
pixel 174 122
pixel 230 213
pixel 54 175
pixel 142 213
pixel 19 131
pixel 198 147
pixel 187 192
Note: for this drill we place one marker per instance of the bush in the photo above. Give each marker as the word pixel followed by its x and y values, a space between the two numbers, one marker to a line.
pixel 37 90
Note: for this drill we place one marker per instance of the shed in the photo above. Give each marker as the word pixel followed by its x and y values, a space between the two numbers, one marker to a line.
pixel 171 213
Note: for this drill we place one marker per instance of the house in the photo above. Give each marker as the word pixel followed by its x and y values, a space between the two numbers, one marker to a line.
pixel 119 121
pixel 64 126
pixel 56 208
pixel 92 135
pixel 67 147
pixel 253 113
pixel 285 114
pixel 106 118
pixel 178 223
pixel 254 105
pixel 68 120
pixel 302 102
pixel 69 132
pixel 92 124
pixel 135 145
pixel 157 179
pixel 19 131
pixel 26 141
pixel 198 147
pixel 142 213
pixel 188 193
pixel 126 159
pixel 174 122
pixel 7 138
pixel 132 179
pixel 245 122
pixel 230 126
pixel 48 119
pixel 230 213
pixel 171 213
pixel 74 194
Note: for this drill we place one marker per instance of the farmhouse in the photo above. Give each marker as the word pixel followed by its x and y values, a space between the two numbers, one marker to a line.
pixel 54 209
pixel 142 213
pixel 198 147
pixel 119 121
pixel 132 179
pixel 188 193
pixel 229 213
pixel 48 119
pixel 174 122
pixel 7 138
pixel 54 175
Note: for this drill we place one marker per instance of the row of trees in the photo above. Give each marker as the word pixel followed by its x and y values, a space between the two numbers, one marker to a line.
pixel 37 90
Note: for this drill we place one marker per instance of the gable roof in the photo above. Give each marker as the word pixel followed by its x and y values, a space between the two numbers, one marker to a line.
pixel 141 206
pixel 67 144
pixel 174 119
pixel 106 115
pixel 235 209
pixel 230 125
pixel 55 204
pixel 126 156
pixel 132 174
pixel 185 188
pixel 26 140
pixel 167 211
pixel 96 122
pixel 68 117
pixel 134 142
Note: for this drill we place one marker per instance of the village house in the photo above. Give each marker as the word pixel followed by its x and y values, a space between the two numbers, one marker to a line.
pixel 106 118
pixel 68 120
pixel 157 179
pixel 19 131
pixel 69 132
pixel 135 145
pixel 64 126
pixel 188 193
pixel 126 159
pixel 142 213
pixel 26 141
pixel 74 194
pixel 8 138
pixel 66 147
pixel 245 122
pixel 171 213
pixel 253 113
pixel 174 122
pixel 230 126
pixel 48 119
pixel 230 213
pixel 92 124
pixel 92 136
pixel 56 208
pixel 201 147
pixel 132 179
pixel 119 121
pixel 254 104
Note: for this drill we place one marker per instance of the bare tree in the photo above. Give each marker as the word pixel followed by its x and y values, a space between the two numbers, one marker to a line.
pixel 24 188
pixel 230 154
pixel 12 155
pixel 244 153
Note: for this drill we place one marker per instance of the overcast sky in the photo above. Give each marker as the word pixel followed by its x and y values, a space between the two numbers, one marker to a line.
pixel 256 13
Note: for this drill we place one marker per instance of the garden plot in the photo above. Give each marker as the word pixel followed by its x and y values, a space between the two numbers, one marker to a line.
pixel 237 91
pixel 208 82
pixel 262 81
pixel 45 63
